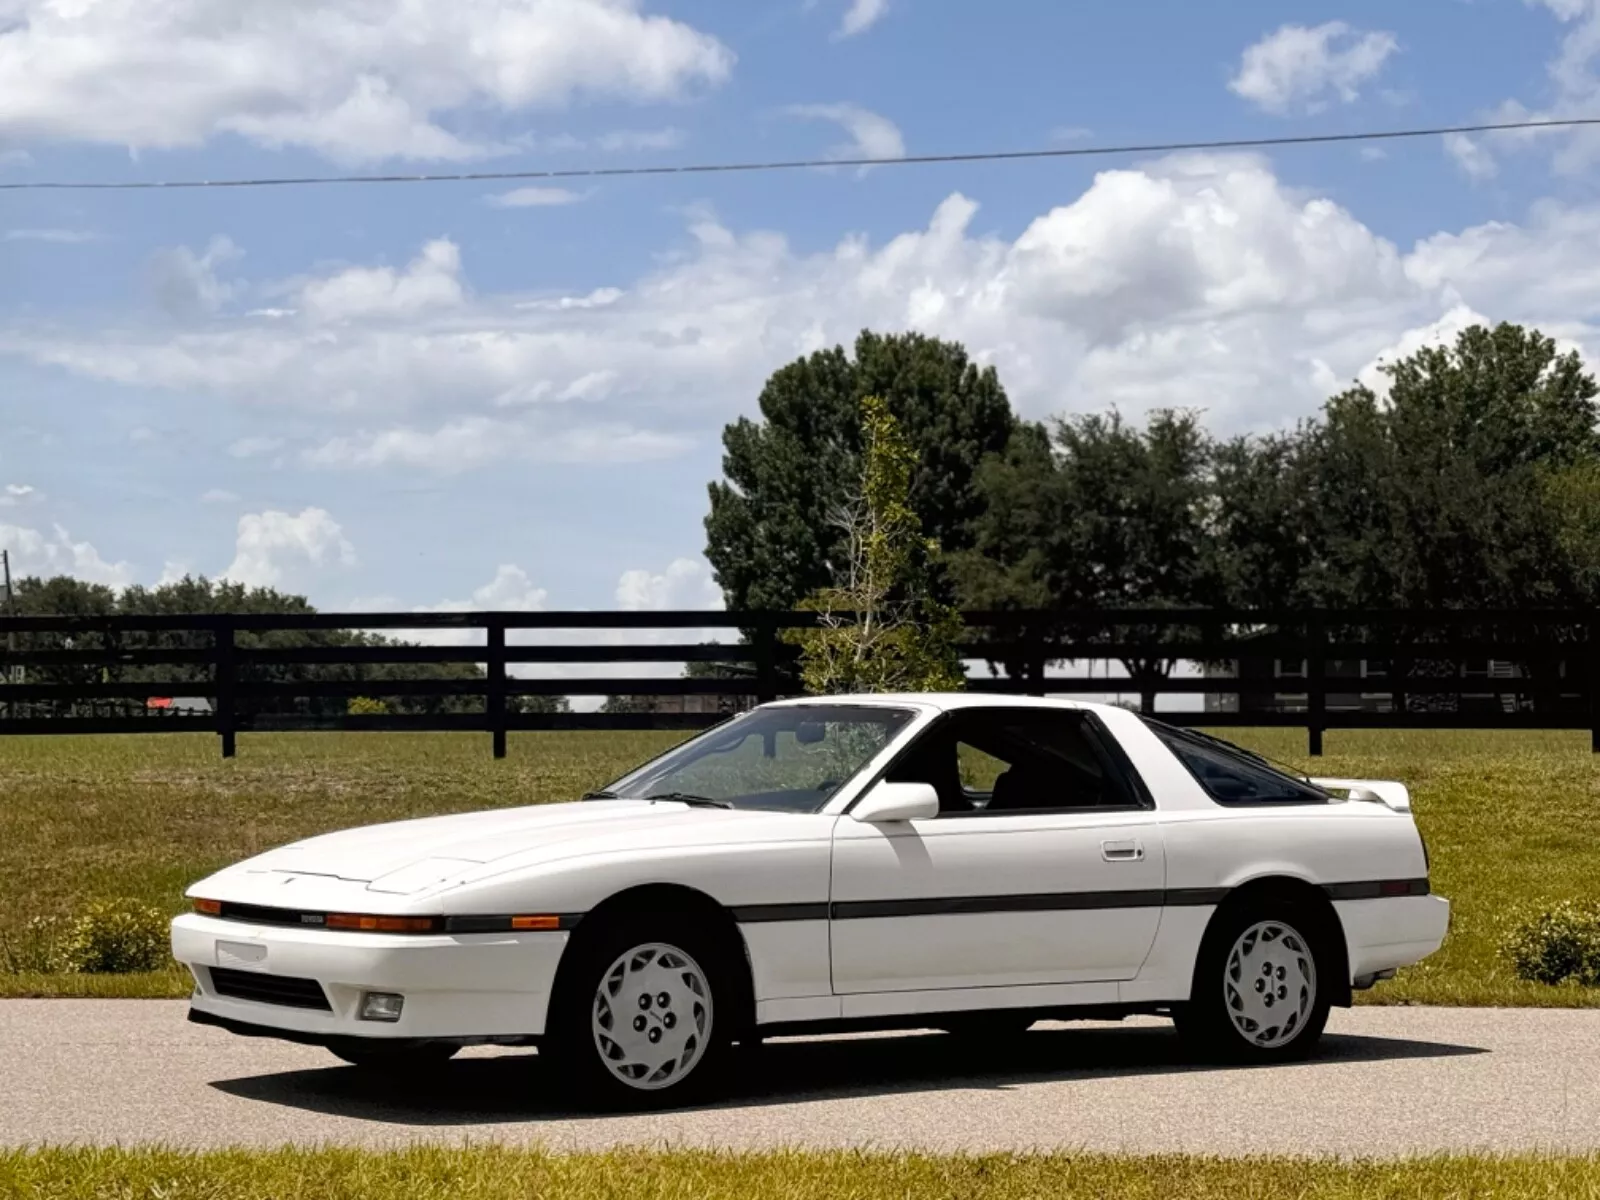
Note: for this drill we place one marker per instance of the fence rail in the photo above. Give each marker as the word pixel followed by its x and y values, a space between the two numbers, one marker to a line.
pixel 478 671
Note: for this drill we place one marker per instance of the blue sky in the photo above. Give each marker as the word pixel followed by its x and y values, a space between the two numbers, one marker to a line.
pixel 491 396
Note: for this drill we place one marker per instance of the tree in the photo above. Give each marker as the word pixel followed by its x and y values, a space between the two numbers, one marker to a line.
pixel 881 629
pixel 1104 515
pixel 1463 488
pixel 541 705
pixel 770 535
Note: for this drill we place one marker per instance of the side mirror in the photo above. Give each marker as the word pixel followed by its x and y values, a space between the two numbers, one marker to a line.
pixel 897 802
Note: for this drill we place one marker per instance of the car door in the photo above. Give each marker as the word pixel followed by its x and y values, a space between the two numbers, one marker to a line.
pixel 1045 864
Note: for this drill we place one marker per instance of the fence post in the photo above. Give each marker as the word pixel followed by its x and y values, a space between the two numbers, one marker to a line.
pixel 494 697
pixel 226 668
pixel 1316 684
pixel 1593 674
pixel 765 630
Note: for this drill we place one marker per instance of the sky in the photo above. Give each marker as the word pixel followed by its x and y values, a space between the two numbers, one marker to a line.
pixel 511 395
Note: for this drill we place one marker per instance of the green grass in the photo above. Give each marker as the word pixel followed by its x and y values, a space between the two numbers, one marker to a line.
pixel 1511 819
pixel 487 1173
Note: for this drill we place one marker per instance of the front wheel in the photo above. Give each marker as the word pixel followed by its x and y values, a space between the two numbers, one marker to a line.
pixel 1261 992
pixel 643 1018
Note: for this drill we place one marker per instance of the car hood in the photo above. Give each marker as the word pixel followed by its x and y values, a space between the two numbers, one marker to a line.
pixel 405 857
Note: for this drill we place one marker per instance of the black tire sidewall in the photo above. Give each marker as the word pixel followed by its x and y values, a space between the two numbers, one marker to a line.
pixel 574 1064
pixel 1205 1023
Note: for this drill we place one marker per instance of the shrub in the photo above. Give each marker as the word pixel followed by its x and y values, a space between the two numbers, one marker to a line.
pixel 38 948
pixel 1557 944
pixel 117 937
pixel 366 706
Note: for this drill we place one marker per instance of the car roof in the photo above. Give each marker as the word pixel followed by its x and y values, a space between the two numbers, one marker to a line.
pixel 945 701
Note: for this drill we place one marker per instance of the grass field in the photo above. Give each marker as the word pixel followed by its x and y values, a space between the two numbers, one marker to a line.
pixel 491 1174
pixel 1510 818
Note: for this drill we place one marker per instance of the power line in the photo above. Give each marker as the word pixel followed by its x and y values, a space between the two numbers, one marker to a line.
pixel 1317 139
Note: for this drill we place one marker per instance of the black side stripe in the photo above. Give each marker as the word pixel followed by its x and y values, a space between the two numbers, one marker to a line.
pixel 939 906
pixel 759 914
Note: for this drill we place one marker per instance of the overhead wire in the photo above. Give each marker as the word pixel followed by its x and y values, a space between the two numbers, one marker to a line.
pixel 729 168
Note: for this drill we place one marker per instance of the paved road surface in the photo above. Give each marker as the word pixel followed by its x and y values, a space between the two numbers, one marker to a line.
pixel 1386 1081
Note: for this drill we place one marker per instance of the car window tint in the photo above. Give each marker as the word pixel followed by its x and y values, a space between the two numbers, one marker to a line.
pixel 1010 760
pixel 1234 779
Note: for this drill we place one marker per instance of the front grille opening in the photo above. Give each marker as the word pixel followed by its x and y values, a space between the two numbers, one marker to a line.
pixel 283 990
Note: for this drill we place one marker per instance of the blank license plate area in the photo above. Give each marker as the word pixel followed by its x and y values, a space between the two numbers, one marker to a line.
pixel 241 954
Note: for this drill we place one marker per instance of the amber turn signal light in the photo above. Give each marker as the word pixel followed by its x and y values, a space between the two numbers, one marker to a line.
pixel 211 908
pixel 536 922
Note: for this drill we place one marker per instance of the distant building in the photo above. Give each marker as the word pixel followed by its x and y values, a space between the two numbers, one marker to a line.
pixel 1366 685
pixel 179 706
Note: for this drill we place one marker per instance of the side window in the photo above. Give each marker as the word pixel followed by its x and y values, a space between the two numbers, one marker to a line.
pixel 1015 760
pixel 1230 778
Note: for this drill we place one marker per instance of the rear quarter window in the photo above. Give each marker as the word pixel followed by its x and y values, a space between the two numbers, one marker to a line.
pixel 1233 777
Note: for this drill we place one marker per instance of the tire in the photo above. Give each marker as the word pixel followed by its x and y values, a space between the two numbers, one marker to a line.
pixel 1262 985
pixel 995 1025
pixel 611 1042
pixel 404 1057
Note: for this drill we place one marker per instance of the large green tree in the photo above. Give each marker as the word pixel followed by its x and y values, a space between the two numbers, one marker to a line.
pixel 1103 514
pixel 1468 485
pixel 773 534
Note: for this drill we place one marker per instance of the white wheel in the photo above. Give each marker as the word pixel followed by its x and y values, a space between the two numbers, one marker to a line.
pixel 652 1016
pixel 1269 985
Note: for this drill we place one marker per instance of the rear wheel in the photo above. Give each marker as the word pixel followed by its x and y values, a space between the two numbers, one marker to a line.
pixel 402 1057
pixel 1261 987
pixel 642 1016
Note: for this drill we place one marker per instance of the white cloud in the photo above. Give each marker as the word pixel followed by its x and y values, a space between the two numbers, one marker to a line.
pixel 535 197
pixel 58 237
pixel 1470 156
pixel 351 79
pixel 219 496
pixel 17 494
pixel 274 546
pixel 861 16
pixel 432 280
pixel 872 136
pixel 254 447
pixel 1200 281
pixel 1300 68
pixel 685 584
pixel 55 553
pixel 186 284
pixel 1574 88
pixel 628 140
pixel 474 441
pixel 509 591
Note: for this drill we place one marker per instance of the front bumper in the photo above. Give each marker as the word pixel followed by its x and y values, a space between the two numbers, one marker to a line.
pixel 457 987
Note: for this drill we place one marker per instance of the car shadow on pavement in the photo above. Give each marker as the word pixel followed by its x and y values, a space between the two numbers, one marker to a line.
pixel 505 1088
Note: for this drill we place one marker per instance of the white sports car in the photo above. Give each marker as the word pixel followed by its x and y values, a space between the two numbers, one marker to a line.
pixel 971 863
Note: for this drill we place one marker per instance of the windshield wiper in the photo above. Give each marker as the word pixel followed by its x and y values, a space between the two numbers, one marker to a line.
pixel 691 800
pixel 601 795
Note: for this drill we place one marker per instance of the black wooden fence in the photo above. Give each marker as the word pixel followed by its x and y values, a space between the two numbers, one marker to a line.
pixel 1313 670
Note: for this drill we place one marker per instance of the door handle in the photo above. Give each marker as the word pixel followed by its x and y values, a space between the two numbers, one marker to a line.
pixel 1121 851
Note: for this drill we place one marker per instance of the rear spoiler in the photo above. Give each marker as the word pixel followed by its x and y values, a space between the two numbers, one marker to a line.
pixel 1392 795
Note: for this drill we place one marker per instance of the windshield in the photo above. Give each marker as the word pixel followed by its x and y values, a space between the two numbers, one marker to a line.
pixel 790 759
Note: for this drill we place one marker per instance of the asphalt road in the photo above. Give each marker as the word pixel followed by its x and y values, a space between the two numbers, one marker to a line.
pixel 1387 1081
